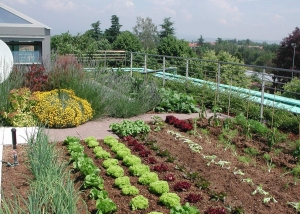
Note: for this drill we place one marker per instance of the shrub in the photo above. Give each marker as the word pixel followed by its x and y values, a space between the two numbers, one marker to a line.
pixel 21 103
pixel 115 171
pixel 170 199
pixel 139 169
pixel 36 79
pixel 148 178
pixel 122 181
pixel 159 187
pixel 129 190
pixel 61 109
pixel 139 202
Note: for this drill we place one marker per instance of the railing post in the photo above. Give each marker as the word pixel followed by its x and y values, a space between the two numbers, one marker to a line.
pixel 145 68
pixel 262 96
pixel 131 56
pixel 187 69
pixel 218 81
pixel 164 70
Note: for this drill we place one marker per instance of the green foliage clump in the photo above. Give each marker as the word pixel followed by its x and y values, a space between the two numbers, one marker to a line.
pixel 129 190
pixel 185 209
pixel 21 104
pixel 128 127
pixel 138 203
pixel 122 181
pixel 148 178
pixel 139 169
pixel 110 162
pixel 131 160
pixel 119 147
pixel 101 153
pixel 121 154
pixel 170 199
pixel 92 180
pixel 91 142
pixel 173 101
pixel 292 89
pixel 159 187
pixel 115 171
pixel 110 141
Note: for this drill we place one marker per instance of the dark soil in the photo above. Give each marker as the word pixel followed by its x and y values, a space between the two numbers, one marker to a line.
pixel 221 179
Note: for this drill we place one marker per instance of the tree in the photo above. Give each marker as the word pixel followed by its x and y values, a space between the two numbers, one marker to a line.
pixel 167 28
pixel 285 53
pixel 95 32
pixel 114 31
pixel 171 46
pixel 146 31
pixel 127 41
pixel 200 41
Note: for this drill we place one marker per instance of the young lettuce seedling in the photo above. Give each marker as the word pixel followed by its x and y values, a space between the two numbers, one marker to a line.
pixel 248 180
pixel 268 199
pixel 211 158
pixel 238 172
pixel 260 190
pixel 222 163
pixel 296 205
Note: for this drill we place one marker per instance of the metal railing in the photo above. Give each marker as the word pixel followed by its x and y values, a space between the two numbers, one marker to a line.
pixel 213 72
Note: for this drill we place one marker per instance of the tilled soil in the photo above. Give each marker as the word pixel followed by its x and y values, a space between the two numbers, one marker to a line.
pixel 221 179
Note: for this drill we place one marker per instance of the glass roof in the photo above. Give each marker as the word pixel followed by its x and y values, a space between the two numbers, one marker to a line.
pixel 8 17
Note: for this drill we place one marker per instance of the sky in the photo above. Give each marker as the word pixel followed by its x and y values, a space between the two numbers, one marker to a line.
pixel 266 20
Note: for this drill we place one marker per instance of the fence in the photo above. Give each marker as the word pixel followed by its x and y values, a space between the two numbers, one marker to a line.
pixel 223 76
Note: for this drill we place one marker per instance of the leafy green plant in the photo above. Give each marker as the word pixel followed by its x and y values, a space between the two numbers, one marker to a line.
pixel 93 180
pixel 173 101
pixel 251 151
pixel 106 206
pixel 115 171
pixel 214 120
pixel 122 181
pixel 139 169
pixel 259 190
pixel 138 203
pixel 86 166
pixel 131 160
pixel 158 123
pixel 91 142
pixel 110 141
pixel 129 190
pixel 185 209
pixel 218 196
pixel 148 178
pixel 98 194
pixel 132 128
pixel 159 187
pixel 102 154
pixel 244 159
pixel 110 162
pixel 296 205
pixel 170 199
pixel 268 159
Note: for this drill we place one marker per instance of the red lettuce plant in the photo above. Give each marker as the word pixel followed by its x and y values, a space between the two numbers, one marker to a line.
pixel 193 198
pixel 151 160
pixel 144 153
pixel 160 168
pixel 217 210
pixel 181 124
pixel 182 186
pixel 138 147
pixel 170 177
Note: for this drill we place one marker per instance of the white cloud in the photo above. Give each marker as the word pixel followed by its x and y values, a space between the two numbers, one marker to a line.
pixel 60 5
pixel 223 21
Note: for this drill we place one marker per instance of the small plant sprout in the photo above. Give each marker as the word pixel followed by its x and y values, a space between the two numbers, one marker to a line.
pixel 211 158
pixel 248 180
pixel 238 172
pixel 296 205
pixel 194 130
pixel 268 159
pixel 259 190
pixel 268 199
pixel 158 123
pixel 223 163
pixel 177 135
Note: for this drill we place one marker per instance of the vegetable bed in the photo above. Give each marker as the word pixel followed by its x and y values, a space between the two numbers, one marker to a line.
pixel 210 167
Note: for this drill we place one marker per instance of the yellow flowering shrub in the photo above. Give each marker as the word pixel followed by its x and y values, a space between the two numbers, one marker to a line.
pixel 60 108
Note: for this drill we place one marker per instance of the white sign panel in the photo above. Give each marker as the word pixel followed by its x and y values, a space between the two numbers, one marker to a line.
pixel 6 61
